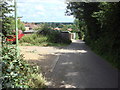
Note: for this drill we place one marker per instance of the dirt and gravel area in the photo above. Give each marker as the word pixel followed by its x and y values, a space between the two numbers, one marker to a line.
pixel 36 52
pixel 73 66
pixel 45 57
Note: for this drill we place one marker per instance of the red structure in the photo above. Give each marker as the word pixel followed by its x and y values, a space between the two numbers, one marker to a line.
pixel 12 38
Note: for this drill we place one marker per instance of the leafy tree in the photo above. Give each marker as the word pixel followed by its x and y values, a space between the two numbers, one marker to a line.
pixel 83 12
pixel 102 27
pixel 64 28
pixel 21 26
pixel 16 73
pixel 80 27
pixel 8 22
pixel 5 19
pixel 108 17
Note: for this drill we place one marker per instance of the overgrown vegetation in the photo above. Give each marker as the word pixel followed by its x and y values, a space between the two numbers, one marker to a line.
pixel 8 21
pixel 102 27
pixel 16 73
pixel 33 39
pixel 45 37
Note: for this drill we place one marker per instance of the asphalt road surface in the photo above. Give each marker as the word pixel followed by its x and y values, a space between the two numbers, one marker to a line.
pixel 76 66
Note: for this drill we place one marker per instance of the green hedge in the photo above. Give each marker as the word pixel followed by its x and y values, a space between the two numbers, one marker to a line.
pixel 17 73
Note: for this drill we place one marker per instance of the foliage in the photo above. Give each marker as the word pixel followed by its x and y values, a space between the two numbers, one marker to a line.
pixel 16 73
pixel 20 24
pixel 37 81
pixel 44 29
pixel 8 21
pixel 77 27
pixel 40 40
pixel 83 12
pixel 45 37
pixel 54 25
pixel 54 36
pixel 102 27
pixel 34 39
pixel 80 28
pixel 109 31
pixel 64 28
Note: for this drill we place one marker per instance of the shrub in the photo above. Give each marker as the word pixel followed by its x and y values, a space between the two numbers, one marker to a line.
pixel 37 81
pixel 53 36
pixel 45 36
pixel 44 29
pixel 34 39
pixel 16 73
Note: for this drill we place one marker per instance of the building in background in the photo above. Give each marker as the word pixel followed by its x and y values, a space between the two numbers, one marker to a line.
pixel 30 26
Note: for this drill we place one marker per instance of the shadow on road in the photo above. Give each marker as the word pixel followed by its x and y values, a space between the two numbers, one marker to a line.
pixel 76 66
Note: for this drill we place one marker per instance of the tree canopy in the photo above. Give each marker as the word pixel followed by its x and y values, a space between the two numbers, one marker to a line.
pixel 8 20
pixel 102 30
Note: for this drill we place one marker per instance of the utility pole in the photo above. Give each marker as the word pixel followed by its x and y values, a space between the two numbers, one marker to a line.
pixel 16 27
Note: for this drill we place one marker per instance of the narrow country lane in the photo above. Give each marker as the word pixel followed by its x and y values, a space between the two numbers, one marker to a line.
pixel 78 67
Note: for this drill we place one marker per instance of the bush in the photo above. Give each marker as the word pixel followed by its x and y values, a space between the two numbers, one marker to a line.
pixel 54 39
pixel 37 81
pixel 34 39
pixel 45 36
pixel 53 36
pixel 16 73
pixel 44 29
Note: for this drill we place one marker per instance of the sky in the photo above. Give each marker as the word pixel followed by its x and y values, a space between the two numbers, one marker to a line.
pixel 43 11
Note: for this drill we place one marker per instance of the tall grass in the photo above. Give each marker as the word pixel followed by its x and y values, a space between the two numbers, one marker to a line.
pixel 34 39
pixel 40 40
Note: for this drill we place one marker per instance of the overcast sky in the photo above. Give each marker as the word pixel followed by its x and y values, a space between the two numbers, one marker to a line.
pixel 43 11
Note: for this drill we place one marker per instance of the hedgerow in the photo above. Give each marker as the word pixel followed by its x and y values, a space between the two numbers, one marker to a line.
pixel 16 72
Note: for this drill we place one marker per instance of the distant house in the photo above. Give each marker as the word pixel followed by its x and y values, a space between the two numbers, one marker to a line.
pixel 30 32
pixel 57 28
pixel 27 28
pixel 30 26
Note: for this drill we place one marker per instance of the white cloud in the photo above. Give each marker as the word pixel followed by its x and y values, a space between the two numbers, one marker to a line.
pixel 40 7
pixel 46 1
pixel 40 13
pixel 43 10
